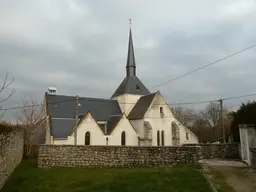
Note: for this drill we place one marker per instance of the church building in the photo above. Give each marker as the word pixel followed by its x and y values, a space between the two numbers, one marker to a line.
pixel 133 116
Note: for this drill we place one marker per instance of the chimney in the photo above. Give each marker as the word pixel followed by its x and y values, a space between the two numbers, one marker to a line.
pixel 52 90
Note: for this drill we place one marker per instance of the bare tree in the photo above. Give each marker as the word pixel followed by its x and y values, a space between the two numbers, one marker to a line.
pixel 31 117
pixel 183 115
pixel 3 87
pixel 212 116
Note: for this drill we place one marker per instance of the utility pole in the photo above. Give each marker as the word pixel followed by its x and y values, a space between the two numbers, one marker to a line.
pixel 221 120
pixel 76 120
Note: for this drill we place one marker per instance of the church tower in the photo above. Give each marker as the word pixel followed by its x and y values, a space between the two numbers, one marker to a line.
pixel 131 88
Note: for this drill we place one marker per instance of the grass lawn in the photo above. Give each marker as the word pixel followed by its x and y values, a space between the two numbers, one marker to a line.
pixel 180 178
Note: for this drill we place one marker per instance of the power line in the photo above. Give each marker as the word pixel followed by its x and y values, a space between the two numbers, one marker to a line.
pixel 229 98
pixel 170 104
pixel 207 65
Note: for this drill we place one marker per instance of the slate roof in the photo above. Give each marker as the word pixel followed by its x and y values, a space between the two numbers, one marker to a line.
pixel 131 85
pixel 130 65
pixel 60 106
pixel 111 124
pixel 141 107
pixel 61 128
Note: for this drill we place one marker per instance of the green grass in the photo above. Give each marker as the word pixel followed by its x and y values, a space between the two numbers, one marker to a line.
pixel 180 178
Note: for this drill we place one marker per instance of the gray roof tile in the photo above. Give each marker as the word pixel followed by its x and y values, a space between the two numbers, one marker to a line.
pixel 131 85
pixel 141 107
pixel 112 123
pixel 60 106
pixel 61 128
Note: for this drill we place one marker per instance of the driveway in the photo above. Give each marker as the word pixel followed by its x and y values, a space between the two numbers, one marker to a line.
pixel 230 176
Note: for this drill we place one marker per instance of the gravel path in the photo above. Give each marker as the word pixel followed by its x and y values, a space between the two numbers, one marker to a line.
pixel 237 174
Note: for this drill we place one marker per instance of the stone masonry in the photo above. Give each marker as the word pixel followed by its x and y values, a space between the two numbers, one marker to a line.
pixel 253 157
pixel 218 151
pixel 114 156
pixel 11 152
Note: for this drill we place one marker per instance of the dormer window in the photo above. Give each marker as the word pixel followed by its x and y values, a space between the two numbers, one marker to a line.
pixel 137 87
pixel 161 111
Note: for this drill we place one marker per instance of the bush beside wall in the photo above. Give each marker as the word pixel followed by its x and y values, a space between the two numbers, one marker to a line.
pixel 114 156
pixel 11 150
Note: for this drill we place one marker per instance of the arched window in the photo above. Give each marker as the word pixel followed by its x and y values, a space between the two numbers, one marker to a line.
pixel 161 111
pixel 87 138
pixel 123 138
pixel 162 137
pixel 187 136
pixel 158 138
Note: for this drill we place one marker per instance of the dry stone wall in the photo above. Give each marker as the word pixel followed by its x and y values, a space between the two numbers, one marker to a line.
pixel 218 151
pixel 11 152
pixel 114 156
pixel 253 157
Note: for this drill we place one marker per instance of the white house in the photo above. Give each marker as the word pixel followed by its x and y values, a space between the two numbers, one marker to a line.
pixel 132 116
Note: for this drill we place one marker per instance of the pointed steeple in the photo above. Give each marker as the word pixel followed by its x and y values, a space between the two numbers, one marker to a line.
pixel 130 66
pixel 131 84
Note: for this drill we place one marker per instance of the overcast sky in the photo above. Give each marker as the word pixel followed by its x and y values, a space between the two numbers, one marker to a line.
pixel 80 47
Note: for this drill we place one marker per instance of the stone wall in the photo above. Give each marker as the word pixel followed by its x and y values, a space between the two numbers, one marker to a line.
pixel 253 157
pixel 218 151
pixel 11 152
pixel 114 156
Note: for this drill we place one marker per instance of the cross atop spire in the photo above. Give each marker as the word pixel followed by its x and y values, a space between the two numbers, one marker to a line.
pixel 130 65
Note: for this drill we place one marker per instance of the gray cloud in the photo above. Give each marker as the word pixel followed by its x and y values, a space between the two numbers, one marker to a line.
pixel 80 47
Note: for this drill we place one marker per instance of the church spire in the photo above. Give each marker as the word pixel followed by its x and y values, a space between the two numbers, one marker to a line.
pixel 130 66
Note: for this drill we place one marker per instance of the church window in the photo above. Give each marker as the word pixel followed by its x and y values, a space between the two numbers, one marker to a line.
pixel 137 87
pixel 158 138
pixel 162 137
pixel 187 136
pixel 123 138
pixel 161 111
pixel 87 138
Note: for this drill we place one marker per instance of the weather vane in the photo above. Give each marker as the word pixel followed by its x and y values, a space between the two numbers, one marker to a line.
pixel 130 21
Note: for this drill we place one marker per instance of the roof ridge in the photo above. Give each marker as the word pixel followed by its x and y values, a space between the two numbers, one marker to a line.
pixel 148 95
pixel 88 98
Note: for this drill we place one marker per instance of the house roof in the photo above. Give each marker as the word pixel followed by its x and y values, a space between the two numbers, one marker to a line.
pixel 60 106
pixel 141 107
pixel 131 85
pixel 62 127
pixel 111 124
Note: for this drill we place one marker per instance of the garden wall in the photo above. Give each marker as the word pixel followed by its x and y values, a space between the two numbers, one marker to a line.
pixel 218 151
pixel 114 156
pixel 11 151
pixel 253 157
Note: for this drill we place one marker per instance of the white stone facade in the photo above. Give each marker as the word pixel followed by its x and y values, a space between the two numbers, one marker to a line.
pixel 155 129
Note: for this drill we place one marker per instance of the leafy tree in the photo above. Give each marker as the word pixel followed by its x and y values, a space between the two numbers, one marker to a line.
pixel 246 114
